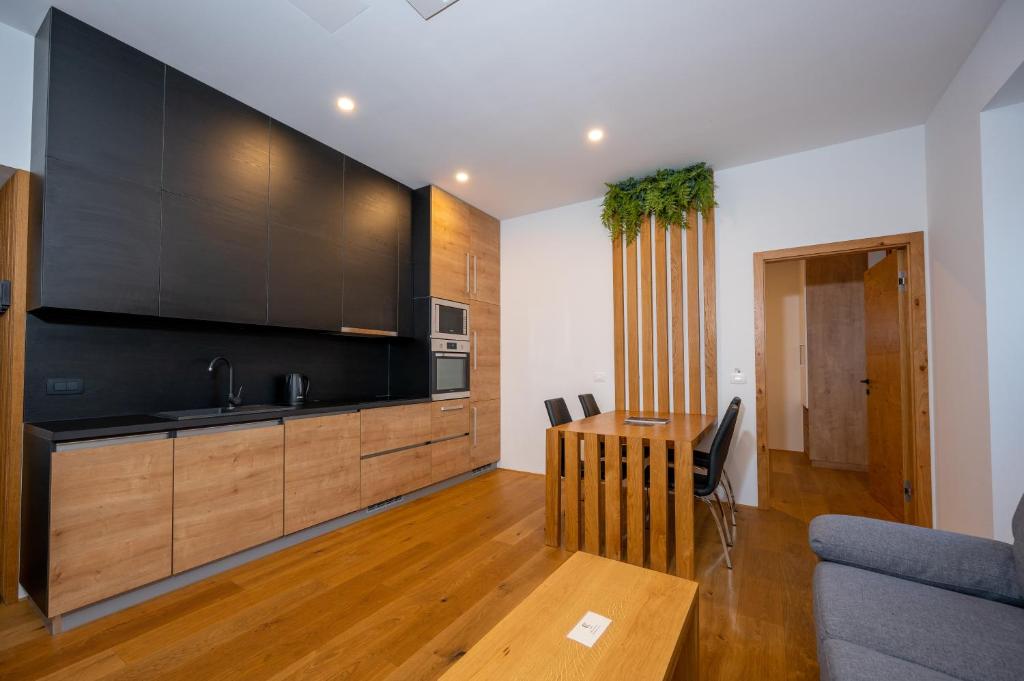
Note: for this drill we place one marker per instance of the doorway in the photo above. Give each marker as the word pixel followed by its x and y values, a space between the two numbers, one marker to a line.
pixel 841 367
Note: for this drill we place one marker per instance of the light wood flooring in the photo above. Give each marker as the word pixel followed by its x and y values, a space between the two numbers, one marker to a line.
pixel 403 594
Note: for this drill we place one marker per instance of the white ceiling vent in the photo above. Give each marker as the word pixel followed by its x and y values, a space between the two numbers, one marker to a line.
pixel 428 8
pixel 331 14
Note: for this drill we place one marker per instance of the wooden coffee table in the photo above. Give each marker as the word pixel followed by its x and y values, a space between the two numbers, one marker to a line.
pixel 652 635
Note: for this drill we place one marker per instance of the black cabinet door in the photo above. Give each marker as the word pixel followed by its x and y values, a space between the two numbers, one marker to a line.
pixel 306 194
pixel 102 139
pixel 403 210
pixel 370 249
pixel 215 202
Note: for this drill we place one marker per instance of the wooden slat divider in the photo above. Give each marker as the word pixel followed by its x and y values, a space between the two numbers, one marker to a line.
pixel 571 447
pixel 553 489
pixel 710 314
pixel 659 506
pixel 646 316
pixel 693 370
pixel 635 512
pixel 661 316
pixel 684 510
pixel 592 493
pixel 620 341
pixel 678 346
pixel 631 328
pixel 612 497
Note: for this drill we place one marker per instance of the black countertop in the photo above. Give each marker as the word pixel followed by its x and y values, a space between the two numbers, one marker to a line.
pixel 141 424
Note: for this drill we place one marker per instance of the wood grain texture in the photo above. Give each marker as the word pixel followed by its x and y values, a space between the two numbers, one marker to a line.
pixel 649 612
pixel 449 418
pixel 450 236
pixel 618 326
pixel 449 458
pixel 592 493
pixel 613 501
pixel 485 353
pixel 646 317
pixel 764 487
pixel 678 337
pixel 632 328
pixel 228 493
pixel 321 469
pixel 689 427
pixel 659 506
pixel 552 487
pixel 710 294
pixel 390 428
pixel 693 363
pixel 14 228
pixel 485 247
pixel 661 315
pixel 110 521
pixel 485 432
pixel 684 516
pixel 571 450
pixel 636 537
pixel 390 475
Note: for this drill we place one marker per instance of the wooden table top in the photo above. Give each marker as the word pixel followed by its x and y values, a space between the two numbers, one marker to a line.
pixel 680 428
pixel 648 611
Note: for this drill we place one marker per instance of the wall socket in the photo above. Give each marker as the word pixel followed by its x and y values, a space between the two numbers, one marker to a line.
pixel 65 386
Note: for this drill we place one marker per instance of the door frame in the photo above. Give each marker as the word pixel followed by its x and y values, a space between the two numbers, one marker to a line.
pixel 920 508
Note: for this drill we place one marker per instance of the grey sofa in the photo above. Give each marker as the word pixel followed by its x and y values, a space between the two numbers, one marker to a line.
pixel 894 601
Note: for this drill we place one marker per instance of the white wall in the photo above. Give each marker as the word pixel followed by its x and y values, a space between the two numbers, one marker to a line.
pixel 784 334
pixel 16 54
pixel 959 350
pixel 1002 170
pixel 556 308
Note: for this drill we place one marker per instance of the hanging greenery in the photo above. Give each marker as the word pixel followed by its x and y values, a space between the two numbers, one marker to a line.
pixel 667 194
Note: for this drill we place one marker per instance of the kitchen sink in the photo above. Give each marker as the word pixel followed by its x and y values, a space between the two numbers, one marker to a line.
pixel 184 414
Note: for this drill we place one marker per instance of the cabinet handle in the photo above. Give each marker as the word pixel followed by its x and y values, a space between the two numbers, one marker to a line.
pixel 474 426
pixel 458 408
pixel 476 280
pixel 476 346
pixel 467 272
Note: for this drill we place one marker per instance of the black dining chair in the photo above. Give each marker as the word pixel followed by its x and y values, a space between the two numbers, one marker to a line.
pixel 705 485
pixel 700 460
pixel 558 412
pixel 589 405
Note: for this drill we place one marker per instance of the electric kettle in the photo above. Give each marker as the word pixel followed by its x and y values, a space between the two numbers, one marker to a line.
pixel 296 387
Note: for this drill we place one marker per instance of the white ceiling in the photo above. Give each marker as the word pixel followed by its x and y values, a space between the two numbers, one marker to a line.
pixel 507 89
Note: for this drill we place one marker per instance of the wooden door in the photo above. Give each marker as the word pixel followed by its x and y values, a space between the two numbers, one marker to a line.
pixel 321 469
pixel 885 349
pixel 449 458
pixel 485 434
pixel 228 492
pixel 388 428
pixel 485 351
pixel 837 406
pixel 486 248
pixel 110 520
pixel 450 236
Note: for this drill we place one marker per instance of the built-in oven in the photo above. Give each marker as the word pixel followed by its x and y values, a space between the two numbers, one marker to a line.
pixel 449 320
pixel 449 369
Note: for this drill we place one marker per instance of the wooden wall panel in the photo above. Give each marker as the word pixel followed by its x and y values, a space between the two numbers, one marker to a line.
pixel 693 364
pixel 710 293
pixel 661 315
pixel 646 317
pixel 620 341
pixel 633 373
pixel 678 342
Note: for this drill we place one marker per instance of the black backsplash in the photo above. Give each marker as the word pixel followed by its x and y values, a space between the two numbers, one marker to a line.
pixel 140 365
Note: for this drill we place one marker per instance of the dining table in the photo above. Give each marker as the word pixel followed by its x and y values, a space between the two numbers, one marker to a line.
pixel 639 511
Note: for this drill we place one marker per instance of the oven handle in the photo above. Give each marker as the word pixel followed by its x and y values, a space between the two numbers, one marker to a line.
pixel 452 354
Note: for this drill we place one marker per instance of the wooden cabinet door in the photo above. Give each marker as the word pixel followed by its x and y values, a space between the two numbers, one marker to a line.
pixel 450 236
pixel 449 458
pixel 110 520
pixel 486 249
pixel 321 469
pixel 305 231
pixel 388 428
pixel 449 418
pixel 228 492
pixel 486 434
pixel 485 351
pixel 388 475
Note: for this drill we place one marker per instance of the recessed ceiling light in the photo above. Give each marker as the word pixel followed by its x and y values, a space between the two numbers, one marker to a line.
pixel 595 135
pixel 346 104
pixel 462 176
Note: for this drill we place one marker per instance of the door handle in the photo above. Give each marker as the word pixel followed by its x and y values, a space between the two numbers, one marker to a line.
pixel 467 272
pixel 476 347
pixel 866 381
pixel 456 408
pixel 474 426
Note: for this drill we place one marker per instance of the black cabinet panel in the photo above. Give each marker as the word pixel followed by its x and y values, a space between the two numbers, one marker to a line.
pixel 101 242
pixel 403 213
pixel 213 261
pixel 215 147
pixel 370 249
pixel 105 105
pixel 306 194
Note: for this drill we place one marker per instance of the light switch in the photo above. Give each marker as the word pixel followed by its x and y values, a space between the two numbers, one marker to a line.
pixel 600 377
pixel 738 377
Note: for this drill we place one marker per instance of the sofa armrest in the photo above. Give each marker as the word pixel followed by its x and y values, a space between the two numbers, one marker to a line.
pixel 956 562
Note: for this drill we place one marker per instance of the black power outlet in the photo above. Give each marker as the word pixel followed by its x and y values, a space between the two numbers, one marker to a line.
pixel 65 386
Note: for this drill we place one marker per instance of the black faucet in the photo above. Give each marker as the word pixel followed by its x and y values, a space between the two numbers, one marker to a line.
pixel 234 399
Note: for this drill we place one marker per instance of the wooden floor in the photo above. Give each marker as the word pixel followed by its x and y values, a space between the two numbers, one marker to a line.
pixel 403 594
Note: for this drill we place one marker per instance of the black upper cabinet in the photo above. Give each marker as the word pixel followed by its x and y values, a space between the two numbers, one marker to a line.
pixel 378 220
pixel 216 184
pixel 97 138
pixel 306 198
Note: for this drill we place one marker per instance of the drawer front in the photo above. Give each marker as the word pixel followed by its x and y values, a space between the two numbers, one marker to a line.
pixel 389 475
pixel 449 418
pixel 390 428
pixel 321 469
pixel 449 458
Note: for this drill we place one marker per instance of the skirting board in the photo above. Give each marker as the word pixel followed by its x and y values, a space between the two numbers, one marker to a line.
pixel 126 600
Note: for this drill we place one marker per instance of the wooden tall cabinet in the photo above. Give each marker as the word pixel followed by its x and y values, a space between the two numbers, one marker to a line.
pixel 485 257
pixel 450 235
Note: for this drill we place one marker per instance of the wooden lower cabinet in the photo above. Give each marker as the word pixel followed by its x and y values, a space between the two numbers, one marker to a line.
pixel 449 418
pixel 388 475
pixel 449 458
pixel 321 469
pixel 110 520
pixel 390 428
pixel 228 492
pixel 485 435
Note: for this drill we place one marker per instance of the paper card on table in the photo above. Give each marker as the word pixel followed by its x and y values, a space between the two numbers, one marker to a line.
pixel 590 628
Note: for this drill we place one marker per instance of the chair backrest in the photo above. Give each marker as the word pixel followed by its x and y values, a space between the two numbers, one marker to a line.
pixel 720 448
pixel 590 407
pixel 558 413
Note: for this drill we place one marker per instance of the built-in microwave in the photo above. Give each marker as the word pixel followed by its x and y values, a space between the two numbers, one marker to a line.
pixel 449 320
pixel 449 369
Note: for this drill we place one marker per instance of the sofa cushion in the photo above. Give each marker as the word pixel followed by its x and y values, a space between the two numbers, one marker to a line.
pixel 1018 541
pixel 963 636
pixel 845 661
pixel 972 565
